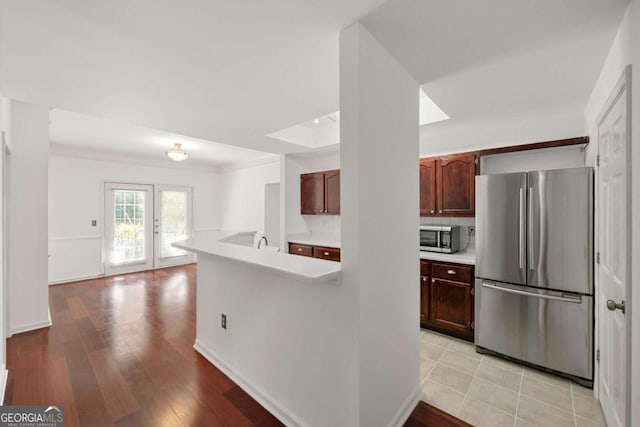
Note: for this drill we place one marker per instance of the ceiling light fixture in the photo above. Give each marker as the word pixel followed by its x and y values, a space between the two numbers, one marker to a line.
pixel 316 121
pixel 177 154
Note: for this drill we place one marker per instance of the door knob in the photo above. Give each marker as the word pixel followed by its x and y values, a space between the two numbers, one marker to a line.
pixel 612 305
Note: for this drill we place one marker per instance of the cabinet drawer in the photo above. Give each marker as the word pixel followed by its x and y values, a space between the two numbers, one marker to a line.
pixel 455 272
pixel 332 254
pixel 424 268
pixel 304 250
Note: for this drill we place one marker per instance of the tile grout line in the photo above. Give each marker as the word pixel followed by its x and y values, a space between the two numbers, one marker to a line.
pixel 573 405
pixel 515 420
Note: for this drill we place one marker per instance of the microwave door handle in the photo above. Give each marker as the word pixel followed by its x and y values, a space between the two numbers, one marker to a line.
pixel 439 236
pixel 521 229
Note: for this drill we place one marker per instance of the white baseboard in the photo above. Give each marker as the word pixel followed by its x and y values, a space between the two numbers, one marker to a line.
pixel 407 408
pixel 30 327
pixel 76 279
pixel 261 397
pixel 4 375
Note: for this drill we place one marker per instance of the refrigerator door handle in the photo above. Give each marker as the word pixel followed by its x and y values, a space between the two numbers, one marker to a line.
pixel 530 225
pixel 564 298
pixel 521 232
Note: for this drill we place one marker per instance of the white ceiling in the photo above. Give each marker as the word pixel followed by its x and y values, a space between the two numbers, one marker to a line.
pixel 236 71
pixel 227 71
pixel 484 59
pixel 88 136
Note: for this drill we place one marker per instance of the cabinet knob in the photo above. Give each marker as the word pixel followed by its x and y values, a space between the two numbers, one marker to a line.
pixel 326 254
pixel 432 211
pixel 299 249
pixel 451 272
pixel 440 211
pixel 424 279
pixel 433 280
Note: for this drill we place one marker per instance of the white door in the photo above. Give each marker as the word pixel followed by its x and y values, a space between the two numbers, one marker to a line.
pixel 614 151
pixel 128 228
pixel 172 223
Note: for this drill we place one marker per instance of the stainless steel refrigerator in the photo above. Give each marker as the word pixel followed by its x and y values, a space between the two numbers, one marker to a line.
pixel 534 272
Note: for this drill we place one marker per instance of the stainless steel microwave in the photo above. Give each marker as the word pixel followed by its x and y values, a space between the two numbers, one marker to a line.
pixel 440 238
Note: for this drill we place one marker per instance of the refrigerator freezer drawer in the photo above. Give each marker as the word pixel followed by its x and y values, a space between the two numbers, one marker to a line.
pixel 548 329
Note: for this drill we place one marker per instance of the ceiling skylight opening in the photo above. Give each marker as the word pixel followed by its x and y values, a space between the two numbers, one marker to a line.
pixel 429 110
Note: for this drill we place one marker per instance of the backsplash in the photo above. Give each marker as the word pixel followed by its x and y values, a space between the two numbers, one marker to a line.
pixel 464 224
pixel 322 223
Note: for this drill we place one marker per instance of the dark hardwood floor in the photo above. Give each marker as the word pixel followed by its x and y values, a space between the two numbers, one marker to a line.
pixel 120 353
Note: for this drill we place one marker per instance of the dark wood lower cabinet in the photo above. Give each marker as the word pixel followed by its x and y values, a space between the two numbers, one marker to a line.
pixel 322 252
pixel 446 298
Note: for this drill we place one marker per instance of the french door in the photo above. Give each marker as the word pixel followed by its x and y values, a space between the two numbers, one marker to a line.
pixel 172 223
pixel 141 222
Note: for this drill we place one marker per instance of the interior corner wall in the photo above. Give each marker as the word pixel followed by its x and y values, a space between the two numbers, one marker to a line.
pixel 379 136
pixel 76 197
pixel 28 292
pixel 242 196
pixel 624 50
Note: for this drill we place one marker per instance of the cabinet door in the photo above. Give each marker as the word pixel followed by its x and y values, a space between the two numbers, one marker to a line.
pixel 332 191
pixel 427 187
pixel 456 185
pixel 424 299
pixel 312 193
pixel 450 307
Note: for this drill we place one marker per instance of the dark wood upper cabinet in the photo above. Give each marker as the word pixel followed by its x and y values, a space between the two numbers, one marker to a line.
pixel 448 186
pixel 320 193
pixel 312 193
pixel 427 186
pixel 332 192
pixel 456 190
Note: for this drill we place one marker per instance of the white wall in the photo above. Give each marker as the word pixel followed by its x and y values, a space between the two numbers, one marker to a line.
pixel 28 293
pixel 242 196
pixel 76 196
pixel 4 129
pixel 451 137
pixel 379 153
pixel 294 165
pixel 288 343
pixel 625 50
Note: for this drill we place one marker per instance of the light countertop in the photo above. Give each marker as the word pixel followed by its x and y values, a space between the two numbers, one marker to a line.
pixel 306 269
pixel 463 257
pixel 331 240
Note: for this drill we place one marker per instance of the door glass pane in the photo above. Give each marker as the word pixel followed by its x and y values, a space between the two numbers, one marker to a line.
pixel 128 231
pixel 173 222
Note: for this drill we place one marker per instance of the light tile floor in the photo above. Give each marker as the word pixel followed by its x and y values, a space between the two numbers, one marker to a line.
pixel 487 391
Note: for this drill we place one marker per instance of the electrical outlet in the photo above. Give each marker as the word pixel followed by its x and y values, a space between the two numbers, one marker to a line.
pixel 472 230
pixel 224 321
pixel 94 222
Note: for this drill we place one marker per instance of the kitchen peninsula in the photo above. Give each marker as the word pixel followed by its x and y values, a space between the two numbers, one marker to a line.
pixel 272 322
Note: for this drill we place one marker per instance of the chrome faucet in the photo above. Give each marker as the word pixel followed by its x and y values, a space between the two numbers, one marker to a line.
pixel 266 242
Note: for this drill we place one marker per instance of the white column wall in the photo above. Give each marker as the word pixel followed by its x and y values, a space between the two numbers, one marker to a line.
pixel 379 212
pixel 28 284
